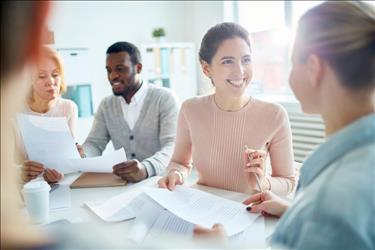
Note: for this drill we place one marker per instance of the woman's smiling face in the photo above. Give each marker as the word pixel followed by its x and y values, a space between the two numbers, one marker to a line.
pixel 230 69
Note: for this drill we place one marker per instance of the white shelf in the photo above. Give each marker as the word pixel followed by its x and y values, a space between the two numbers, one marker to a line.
pixel 171 65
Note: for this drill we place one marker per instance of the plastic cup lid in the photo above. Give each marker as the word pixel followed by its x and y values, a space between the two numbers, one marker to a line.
pixel 35 186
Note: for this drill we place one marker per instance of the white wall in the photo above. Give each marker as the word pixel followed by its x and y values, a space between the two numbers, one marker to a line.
pixel 96 25
pixel 203 15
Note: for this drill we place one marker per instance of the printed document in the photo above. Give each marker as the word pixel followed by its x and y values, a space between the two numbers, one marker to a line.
pixel 47 137
pixel 119 208
pixel 202 208
pixel 48 140
pixel 154 223
pixel 98 164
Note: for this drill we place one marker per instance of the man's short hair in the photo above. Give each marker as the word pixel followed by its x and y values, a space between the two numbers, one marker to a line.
pixel 130 48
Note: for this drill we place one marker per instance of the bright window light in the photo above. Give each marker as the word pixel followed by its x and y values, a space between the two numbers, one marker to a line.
pixel 272 39
pixel 300 7
pixel 261 15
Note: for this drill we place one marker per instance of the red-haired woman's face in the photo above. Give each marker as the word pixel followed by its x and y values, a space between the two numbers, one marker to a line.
pixel 48 80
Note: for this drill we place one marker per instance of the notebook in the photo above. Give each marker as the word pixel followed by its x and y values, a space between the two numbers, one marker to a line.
pixel 90 180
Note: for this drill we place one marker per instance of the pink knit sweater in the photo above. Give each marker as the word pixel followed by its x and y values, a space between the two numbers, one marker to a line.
pixel 213 140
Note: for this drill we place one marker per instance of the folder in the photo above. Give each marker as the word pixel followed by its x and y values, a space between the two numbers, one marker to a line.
pixel 91 180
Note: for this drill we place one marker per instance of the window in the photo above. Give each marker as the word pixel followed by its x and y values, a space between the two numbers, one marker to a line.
pixel 271 25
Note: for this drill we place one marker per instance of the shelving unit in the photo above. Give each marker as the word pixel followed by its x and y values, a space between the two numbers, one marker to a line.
pixel 78 79
pixel 171 65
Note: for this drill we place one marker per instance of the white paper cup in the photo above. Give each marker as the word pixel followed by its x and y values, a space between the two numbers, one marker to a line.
pixel 36 196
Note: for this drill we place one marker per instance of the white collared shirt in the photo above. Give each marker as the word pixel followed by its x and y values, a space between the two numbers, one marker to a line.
pixel 132 110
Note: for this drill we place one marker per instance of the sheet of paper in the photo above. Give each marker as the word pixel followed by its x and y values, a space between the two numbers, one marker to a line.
pixel 48 140
pixel 202 208
pixel 252 237
pixel 60 198
pixel 119 208
pixel 145 219
pixel 98 164
pixel 46 137
pixel 167 225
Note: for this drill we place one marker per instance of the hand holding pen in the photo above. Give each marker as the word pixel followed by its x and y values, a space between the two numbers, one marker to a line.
pixel 267 203
pixel 255 163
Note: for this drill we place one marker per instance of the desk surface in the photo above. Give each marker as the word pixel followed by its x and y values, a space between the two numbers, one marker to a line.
pixel 77 212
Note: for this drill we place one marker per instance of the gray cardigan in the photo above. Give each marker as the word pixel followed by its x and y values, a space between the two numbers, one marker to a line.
pixel 152 139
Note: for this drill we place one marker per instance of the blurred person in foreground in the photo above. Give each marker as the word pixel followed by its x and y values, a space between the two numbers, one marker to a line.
pixel 22 24
pixel 333 75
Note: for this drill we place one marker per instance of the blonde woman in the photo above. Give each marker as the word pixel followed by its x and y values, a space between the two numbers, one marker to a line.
pixel 333 75
pixel 45 100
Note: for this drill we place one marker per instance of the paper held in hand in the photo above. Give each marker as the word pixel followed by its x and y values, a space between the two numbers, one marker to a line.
pixel 202 208
pixel 48 140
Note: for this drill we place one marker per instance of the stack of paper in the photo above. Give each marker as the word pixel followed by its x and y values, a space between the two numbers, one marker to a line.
pixel 202 208
pixel 161 213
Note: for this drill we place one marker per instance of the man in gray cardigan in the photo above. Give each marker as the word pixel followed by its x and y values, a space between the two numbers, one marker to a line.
pixel 139 117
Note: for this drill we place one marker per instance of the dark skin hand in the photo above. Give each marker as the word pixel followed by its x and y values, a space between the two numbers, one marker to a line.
pixel 132 171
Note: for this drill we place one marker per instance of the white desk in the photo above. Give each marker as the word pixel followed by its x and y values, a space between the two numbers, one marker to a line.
pixel 79 213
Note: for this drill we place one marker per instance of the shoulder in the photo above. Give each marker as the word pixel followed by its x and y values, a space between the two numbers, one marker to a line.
pixel 197 102
pixel 160 91
pixel 358 164
pixel 270 107
pixel 163 96
pixel 348 192
pixel 108 101
pixel 271 112
pixel 68 105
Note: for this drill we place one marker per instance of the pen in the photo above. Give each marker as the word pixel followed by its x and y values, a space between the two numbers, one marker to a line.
pixel 256 176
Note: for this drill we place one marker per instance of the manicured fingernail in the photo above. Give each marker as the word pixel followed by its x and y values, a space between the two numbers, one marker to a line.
pixel 248 208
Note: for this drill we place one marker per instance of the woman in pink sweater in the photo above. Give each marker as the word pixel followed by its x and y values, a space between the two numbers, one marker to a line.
pixel 214 129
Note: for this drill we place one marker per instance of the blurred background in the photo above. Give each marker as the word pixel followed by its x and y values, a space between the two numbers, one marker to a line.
pixel 169 35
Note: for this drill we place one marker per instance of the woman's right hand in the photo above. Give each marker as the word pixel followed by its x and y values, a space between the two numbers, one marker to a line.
pixel 173 178
pixel 267 203
pixel 31 170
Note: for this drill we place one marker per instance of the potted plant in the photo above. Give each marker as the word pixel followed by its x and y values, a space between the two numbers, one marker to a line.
pixel 158 33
